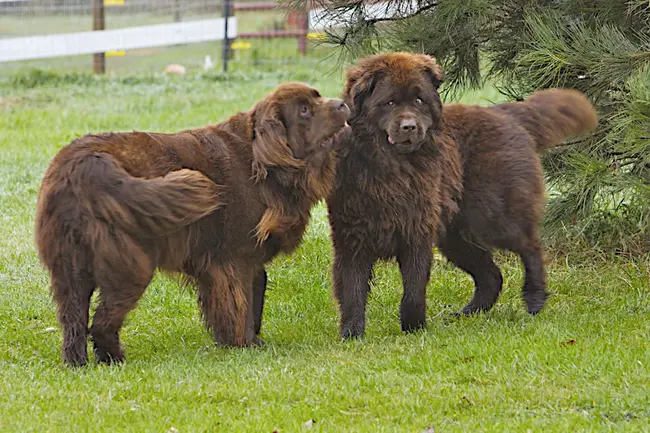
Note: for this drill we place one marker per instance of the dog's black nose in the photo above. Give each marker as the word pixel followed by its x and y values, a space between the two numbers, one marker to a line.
pixel 338 104
pixel 408 125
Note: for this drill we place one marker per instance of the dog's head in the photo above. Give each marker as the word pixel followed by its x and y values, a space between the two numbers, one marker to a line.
pixel 292 124
pixel 396 96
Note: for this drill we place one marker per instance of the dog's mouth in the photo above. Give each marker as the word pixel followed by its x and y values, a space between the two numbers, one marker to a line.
pixel 406 131
pixel 398 141
pixel 330 142
pixel 404 136
pixel 404 145
pixel 344 129
pixel 391 140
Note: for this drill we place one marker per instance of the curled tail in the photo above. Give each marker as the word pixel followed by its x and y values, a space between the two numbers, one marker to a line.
pixel 552 115
pixel 143 207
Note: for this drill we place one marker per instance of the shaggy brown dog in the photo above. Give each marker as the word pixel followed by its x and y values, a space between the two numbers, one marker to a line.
pixel 214 203
pixel 503 199
pixel 401 184
pixel 399 181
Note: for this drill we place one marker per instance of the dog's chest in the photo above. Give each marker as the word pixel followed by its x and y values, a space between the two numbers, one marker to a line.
pixel 391 199
pixel 287 239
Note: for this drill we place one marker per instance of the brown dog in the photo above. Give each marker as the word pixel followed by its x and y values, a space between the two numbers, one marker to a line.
pixel 465 177
pixel 503 199
pixel 396 184
pixel 214 203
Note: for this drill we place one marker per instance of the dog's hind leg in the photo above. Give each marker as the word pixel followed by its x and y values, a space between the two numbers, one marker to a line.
pixel 116 300
pixel 123 271
pixel 72 288
pixel 351 277
pixel 415 266
pixel 478 263
pixel 534 290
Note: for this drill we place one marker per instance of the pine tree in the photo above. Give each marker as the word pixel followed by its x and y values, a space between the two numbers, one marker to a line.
pixel 600 185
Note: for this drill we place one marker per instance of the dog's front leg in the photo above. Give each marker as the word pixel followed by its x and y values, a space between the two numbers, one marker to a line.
pixel 415 265
pixel 226 298
pixel 259 291
pixel 351 276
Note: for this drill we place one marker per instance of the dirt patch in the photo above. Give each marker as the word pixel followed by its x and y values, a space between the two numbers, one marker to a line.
pixel 6 102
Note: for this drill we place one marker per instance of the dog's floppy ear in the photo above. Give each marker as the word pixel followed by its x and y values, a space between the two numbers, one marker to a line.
pixel 270 142
pixel 433 70
pixel 359 84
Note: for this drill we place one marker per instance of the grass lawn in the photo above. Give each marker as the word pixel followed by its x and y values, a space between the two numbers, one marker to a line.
pixel 583 364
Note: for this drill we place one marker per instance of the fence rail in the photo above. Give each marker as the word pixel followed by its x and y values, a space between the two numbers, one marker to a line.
pixel 84 7
pixel 72 44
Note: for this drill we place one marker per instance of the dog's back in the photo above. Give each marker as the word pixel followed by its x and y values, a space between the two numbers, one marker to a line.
pixel 89 196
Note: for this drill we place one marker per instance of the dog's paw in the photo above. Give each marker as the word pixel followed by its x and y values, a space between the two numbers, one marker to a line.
pixel 256 342
pixel 535 301
pixel 104 357
pixel 75 360
pixel 350 332
pixel 412 325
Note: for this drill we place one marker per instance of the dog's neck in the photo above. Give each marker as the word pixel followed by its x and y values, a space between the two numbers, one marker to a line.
pixel 289 195
pixel 239 124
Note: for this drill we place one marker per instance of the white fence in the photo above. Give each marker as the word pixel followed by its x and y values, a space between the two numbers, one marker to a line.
pixel 71 44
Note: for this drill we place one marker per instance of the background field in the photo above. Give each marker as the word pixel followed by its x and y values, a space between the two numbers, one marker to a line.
pixel 260 53
pixel 581 365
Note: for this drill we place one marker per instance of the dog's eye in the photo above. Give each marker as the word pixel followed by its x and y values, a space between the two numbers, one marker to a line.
pixel 390 103
pixel 418 101
pixel 304 110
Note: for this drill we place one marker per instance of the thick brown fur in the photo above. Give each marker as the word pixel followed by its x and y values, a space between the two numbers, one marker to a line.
pixel 503 199
pixel 214 203
pixel 473 185
pixel 398 180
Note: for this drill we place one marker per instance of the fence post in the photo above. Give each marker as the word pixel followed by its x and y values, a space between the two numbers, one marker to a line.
pixel 303 26
pixel 226 42
pixel 177 11
pixel 99 61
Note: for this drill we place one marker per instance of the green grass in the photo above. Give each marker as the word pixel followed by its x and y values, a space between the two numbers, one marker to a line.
pixel 581 365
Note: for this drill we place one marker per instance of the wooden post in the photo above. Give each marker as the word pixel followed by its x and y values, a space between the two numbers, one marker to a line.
pixel 99 60
pixel 225 54
pixel 303 26
pixel 177 11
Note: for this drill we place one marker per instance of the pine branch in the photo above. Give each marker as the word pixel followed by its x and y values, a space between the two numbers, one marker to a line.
pixel 576 141
pixel 417 12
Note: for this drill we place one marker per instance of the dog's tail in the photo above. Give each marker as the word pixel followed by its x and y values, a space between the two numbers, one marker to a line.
pixel 553 115
pixel 143 207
